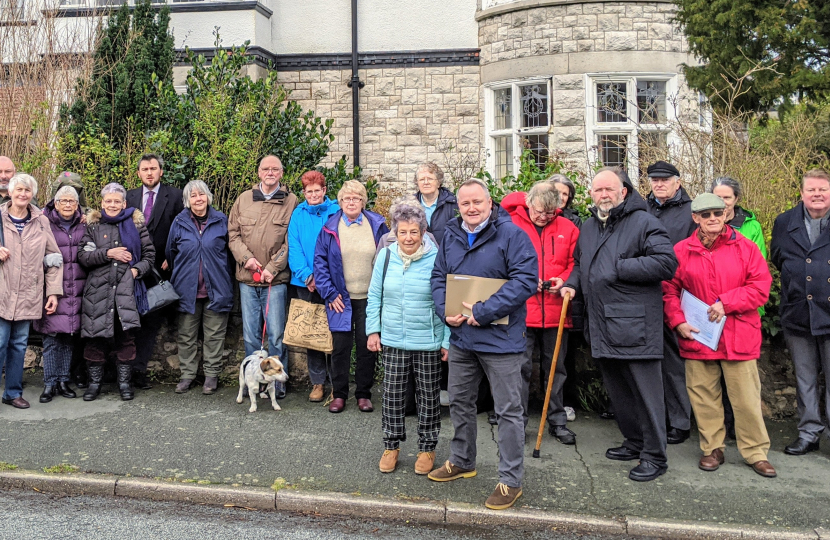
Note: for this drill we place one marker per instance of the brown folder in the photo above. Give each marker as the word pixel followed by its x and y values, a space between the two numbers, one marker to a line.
pixel 470 289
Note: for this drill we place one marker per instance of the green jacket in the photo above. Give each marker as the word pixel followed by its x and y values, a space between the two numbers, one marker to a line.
pixel 745 223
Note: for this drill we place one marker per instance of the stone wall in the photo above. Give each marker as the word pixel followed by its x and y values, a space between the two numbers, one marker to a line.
pixel 405 113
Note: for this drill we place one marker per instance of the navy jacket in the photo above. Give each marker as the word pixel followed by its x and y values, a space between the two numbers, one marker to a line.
pixel 675 215
pixel 502 251
pixel 446 208
pixel 328 267
pixel 805 274
pixel 618 270
pixel 186 248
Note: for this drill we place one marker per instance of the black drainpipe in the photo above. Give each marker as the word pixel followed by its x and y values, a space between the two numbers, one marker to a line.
pixel 355 84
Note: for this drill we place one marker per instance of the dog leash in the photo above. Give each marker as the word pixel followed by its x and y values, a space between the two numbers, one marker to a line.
pixel 265 319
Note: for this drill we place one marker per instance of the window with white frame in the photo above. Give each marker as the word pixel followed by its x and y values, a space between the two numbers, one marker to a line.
pixel 518 118
pixel 629 117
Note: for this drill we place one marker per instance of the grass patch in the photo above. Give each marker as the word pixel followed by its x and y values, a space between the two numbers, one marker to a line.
pixel 7 466
pixel 63 468
pixel 279 483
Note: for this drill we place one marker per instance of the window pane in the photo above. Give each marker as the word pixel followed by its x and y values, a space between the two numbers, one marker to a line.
pixel 652 146
pixel 534 98
pixel 651 102
pixel 611 102
pixel 613 150
pixel 503 119
pixel 702 106
pixel 504 156
pixel 538 144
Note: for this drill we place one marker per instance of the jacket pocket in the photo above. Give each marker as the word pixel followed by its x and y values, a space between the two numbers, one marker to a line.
pixel 625 325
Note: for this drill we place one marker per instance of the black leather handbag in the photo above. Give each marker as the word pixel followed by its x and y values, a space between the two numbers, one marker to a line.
pixel 160 295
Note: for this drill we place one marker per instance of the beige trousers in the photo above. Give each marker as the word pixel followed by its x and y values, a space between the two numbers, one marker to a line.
pixel 744 389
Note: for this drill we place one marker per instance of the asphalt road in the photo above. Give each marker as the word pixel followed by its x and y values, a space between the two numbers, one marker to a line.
pixel 35 515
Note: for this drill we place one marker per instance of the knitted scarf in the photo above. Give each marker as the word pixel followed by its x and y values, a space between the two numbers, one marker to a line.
pixel 130 239
pixel 409 259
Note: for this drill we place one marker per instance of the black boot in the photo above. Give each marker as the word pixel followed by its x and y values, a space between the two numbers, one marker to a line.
pixel 125 386
pixel 49 391
pixel 96 373
pixel 65 390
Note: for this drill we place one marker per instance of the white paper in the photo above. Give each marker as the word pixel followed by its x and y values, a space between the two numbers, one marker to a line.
pixel 695 311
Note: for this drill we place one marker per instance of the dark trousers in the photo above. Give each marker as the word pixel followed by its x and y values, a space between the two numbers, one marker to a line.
pixel 122 344
pixel 57 357
pixel 364 371
pixel 145 338
pixel 811 356
pixel 678 406
pixel 315 360
pixel 544 340
pixel 636 391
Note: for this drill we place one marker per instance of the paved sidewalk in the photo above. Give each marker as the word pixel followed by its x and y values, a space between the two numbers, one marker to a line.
pixel 211 439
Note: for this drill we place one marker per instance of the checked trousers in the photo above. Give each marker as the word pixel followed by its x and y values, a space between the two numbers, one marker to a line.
pixel 427 369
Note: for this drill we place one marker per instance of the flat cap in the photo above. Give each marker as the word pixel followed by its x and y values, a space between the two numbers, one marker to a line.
pixel 662 169
pixel 707 201
pixel 67 178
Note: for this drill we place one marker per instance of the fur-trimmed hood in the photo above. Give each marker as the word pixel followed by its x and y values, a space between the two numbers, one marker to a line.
pixel 93 217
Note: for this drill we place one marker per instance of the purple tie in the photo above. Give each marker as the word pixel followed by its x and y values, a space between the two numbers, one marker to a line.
pixel 148 208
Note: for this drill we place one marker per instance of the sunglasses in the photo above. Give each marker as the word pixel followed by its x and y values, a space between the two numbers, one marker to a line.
pixel 708 214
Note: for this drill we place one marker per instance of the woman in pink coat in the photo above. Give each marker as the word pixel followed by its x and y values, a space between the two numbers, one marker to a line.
pixel 727 272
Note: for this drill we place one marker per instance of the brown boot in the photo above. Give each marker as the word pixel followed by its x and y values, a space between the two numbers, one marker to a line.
pixel 503 497
pixel 389 460
pixel 712 461
pixel 425 462
pixel 316 394
pixel 448 471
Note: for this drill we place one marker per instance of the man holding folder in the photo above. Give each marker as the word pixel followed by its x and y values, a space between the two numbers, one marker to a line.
pixel 484 243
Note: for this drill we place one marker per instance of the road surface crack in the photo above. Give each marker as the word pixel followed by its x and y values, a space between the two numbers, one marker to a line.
pixel 590 478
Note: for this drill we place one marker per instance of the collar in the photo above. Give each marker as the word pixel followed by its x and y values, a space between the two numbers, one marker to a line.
pixel 809 218
pixel 674 198
pixel 479 228
pixel 270 195
pixel 154 190
pixel 425 205
pixel 358 219
pixel 277 195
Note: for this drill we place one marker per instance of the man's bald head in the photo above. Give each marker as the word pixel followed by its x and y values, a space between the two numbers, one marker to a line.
pixel 7 170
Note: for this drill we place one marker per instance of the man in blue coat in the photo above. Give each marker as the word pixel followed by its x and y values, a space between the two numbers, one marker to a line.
pixel 800 249
pixel 484 242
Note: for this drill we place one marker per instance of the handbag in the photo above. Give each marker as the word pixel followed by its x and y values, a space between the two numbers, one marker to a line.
pixel 308 327
pixel 160 295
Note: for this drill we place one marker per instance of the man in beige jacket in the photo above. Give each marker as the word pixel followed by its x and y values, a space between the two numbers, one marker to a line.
pixel 257 228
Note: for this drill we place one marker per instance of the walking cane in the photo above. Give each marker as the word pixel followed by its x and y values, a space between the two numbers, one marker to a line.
pixel 559 331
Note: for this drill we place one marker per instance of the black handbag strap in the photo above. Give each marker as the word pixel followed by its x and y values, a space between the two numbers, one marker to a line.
pixel 2 233
pixel 383 277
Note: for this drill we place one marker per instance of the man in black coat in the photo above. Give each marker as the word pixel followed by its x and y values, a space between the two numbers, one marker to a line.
pixel 670 203
pixel 621 258
pixel 800 249
pixel 160 204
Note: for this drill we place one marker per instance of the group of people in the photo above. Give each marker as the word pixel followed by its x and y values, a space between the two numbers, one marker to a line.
pixel 81 277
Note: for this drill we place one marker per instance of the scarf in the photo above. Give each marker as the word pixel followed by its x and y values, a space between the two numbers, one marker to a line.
pixel 409 259
pixel 130 239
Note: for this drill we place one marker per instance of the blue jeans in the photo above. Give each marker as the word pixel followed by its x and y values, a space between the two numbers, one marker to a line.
pixel 13 338
pixel 253 301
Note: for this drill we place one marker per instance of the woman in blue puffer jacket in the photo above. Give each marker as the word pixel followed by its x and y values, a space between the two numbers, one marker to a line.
pixel 400 317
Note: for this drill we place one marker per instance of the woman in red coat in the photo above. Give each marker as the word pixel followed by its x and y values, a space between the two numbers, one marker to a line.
pixel 554 237
pixel 728 273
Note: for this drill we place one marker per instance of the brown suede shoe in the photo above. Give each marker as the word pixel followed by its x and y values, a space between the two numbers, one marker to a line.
pixel 764 468
pixel 503 497
pixel 448 472
pixel 712 461
pixel 316 394
pixel 425 462
pixel 389 460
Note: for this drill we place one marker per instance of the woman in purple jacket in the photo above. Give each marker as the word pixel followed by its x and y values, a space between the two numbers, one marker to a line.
pixel 61 330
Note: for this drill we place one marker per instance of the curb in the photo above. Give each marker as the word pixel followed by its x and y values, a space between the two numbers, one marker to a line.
pixel 427 512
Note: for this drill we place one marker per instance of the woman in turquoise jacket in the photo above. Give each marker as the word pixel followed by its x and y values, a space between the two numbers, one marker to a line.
pixel 306 223
pixel 401 319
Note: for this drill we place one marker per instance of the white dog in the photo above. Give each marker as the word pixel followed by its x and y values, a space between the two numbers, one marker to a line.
pixel 258 374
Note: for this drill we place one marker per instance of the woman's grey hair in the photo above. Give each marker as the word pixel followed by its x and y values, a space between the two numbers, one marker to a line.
pixel 409 210
pixel 543 194
pixel 24 180
pixel 196 185
pixel 431 168
pixel 729 182
pixel 67 191
pixel 565 181
pixel 114 188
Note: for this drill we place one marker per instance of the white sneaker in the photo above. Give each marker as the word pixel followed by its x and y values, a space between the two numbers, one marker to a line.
pixel 571 414
pixel 444 398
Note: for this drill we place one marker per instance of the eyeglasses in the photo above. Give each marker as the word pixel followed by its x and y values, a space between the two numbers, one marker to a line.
pixel 352 200
pixel 427 180
pixel 707 215
pixel 312 193
pixel 542 213
pixel 66 202
pixel 271 169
